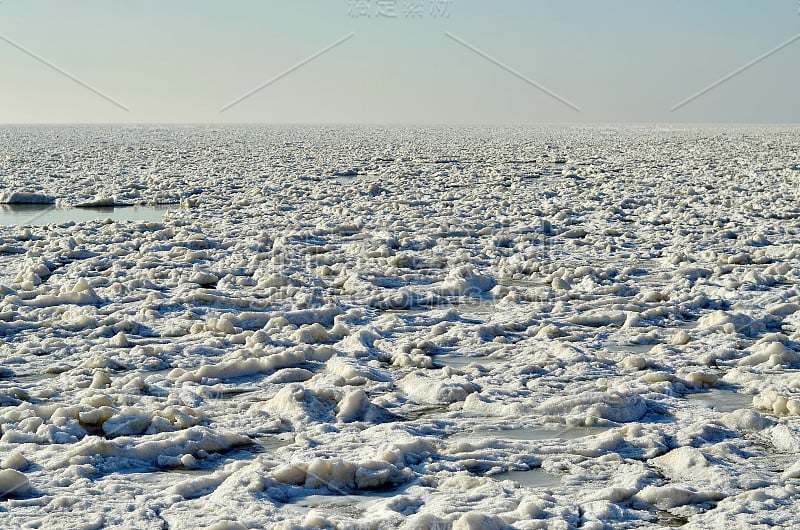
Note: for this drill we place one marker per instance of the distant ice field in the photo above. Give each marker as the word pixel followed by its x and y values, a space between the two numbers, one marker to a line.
pixel 388 327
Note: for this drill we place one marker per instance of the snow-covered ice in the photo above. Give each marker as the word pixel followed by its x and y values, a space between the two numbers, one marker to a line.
pixel 363 327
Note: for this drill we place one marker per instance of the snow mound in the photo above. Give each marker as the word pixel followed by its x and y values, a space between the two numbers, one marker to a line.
pixel 24 197
pixel 612 406
pixel 13 483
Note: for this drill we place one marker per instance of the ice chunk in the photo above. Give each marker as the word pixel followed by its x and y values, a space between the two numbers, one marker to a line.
pixel 777 403
pixel 745 420
pixel 13 483
pixel 238 367
pixel 671 496
pixel 792 471
pixel 98 202
pixel 129 421
pixel 465 281
pixel 16 461
pixel 479 521
pixel 353 406
pixel 336 474
pixel 301 406
pixel 612 405
pixel 683 461
pixel 731 323
pixel 25 197
pixel 311 334
pixel 423 388
pixel 600 318
pixel 772 354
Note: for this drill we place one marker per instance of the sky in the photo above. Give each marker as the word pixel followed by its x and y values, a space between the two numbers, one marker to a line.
pixel 399 61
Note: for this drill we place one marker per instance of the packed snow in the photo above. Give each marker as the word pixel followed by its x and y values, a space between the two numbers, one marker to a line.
pixel 417 328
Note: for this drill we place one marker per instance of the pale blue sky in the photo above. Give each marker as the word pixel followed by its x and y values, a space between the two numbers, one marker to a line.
pixel 182 60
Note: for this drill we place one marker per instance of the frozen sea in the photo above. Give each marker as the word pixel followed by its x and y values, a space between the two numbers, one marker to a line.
pixel 387 327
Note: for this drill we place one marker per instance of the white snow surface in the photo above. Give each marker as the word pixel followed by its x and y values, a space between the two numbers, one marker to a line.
pixel 363 327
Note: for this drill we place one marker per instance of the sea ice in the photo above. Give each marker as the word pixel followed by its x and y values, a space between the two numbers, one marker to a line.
pixel 362 327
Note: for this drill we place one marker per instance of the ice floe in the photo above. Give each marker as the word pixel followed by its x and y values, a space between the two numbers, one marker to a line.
pixel 360 327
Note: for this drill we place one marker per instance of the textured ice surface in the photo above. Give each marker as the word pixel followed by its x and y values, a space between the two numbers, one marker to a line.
pixel 401 328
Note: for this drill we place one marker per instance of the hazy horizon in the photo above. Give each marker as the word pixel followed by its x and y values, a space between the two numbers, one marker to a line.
pixel 403 62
